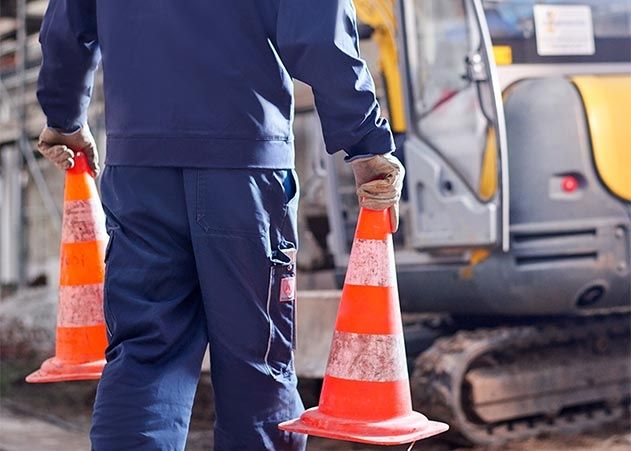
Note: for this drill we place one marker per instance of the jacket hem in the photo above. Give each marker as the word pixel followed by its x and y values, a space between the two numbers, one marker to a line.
pixel 199 152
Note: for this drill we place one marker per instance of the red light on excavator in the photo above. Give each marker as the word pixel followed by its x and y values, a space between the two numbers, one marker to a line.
pixel 569 184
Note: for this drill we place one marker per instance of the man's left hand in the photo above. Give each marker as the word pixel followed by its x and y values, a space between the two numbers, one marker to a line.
pixel 60 147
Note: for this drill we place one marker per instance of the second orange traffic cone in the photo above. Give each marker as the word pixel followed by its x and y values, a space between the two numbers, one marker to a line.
pixel 366 394
pixel 81 336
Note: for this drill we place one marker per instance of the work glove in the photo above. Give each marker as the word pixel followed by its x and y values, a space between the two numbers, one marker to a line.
pixel 60 148
pixel 379 181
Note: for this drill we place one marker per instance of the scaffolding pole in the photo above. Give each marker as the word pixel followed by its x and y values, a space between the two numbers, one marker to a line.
pixel 11 219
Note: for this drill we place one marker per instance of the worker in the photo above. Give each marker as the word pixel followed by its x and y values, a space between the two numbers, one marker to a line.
pixel 200 196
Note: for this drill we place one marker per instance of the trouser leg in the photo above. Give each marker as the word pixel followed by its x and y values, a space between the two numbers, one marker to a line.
pixel 153 311
pixel 243 235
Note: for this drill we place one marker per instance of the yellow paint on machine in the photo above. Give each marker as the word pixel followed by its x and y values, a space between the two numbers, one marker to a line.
pixel 503 55
pixel 488 176
pixel 607 101
pixel 379 14
pixel 477 256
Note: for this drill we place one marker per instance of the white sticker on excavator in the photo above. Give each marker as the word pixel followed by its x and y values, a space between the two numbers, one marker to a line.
pixel 564 30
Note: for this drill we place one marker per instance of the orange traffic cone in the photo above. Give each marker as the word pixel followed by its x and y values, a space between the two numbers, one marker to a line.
pixel 81 337
pixel 366 394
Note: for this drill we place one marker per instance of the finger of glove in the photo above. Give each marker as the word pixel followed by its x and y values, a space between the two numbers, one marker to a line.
pixel 394 217
pixel 96 170
pixel 61 156
pixel 44 148
pixel 93 159
pixel 379 190
pixel 365 175
pixel 376 204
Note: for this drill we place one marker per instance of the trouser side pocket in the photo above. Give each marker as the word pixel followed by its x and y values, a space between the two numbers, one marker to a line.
pixel 281 313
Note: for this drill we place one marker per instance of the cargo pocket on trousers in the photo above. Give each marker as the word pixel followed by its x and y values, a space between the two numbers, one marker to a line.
pixel 281 314
pixel 107 313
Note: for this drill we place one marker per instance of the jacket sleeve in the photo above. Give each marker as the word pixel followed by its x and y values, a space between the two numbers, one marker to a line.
pixel 70 56
pixel 318 43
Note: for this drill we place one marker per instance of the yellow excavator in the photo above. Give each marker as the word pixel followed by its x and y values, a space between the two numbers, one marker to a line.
pixel 514 255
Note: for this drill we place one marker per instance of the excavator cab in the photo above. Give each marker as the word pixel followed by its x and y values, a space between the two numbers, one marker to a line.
pixel 456 195
pixel 456 140
pixel 510 121
pixel 444 103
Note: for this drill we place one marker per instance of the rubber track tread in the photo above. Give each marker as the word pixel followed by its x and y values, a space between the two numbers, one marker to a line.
pixel 439 375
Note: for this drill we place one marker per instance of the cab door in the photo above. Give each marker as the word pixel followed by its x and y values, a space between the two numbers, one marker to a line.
pixel 455 152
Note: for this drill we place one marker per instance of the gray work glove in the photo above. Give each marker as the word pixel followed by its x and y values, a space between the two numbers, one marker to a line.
pixel 379 181
pixel 60 147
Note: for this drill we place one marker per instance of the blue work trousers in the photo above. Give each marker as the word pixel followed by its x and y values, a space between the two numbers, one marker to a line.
pixel 198 257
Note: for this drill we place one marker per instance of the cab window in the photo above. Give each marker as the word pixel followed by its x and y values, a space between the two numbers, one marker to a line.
pixel 607 23
pixel 453 110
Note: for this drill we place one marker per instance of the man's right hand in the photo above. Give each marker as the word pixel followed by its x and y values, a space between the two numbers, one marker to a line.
pixel 379 181
pixel 60 148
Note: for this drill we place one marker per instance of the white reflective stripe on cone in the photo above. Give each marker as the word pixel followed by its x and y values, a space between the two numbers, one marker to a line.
pixel 371 263
pixel 80 305
pixel 83 221
pixel 367 357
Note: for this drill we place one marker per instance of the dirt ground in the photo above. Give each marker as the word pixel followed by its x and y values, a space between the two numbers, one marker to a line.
pixel 56 417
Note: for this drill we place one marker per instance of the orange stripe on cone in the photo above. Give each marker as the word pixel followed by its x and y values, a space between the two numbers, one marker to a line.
pixel 365 395
pixel 77 186
pixel 82 263
pixel 376 317
pixel 81 344
pixel 81 337
pixel 368 401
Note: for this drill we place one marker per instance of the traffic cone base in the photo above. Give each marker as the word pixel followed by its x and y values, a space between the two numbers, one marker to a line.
pixel 395 431
pixel 57 370
pixel 365 394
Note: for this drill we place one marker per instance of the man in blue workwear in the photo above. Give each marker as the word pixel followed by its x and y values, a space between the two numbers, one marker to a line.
pixel 201 197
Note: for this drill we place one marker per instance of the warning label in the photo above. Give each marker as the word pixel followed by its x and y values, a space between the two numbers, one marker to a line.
pixel 564 30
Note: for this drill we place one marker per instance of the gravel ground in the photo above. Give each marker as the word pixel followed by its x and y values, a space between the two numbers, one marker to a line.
pixel 55 417
pixel 20 432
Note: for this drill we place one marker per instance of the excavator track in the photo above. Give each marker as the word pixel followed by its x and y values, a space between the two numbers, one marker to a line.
pixel 505 383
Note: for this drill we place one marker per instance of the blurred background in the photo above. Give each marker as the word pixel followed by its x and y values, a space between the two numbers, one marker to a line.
pixel 512 118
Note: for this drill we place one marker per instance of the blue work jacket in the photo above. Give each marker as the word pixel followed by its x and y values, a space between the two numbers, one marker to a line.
pixel 208 83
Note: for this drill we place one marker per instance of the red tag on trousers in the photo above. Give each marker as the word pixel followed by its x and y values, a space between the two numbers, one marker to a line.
pixel 287 289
